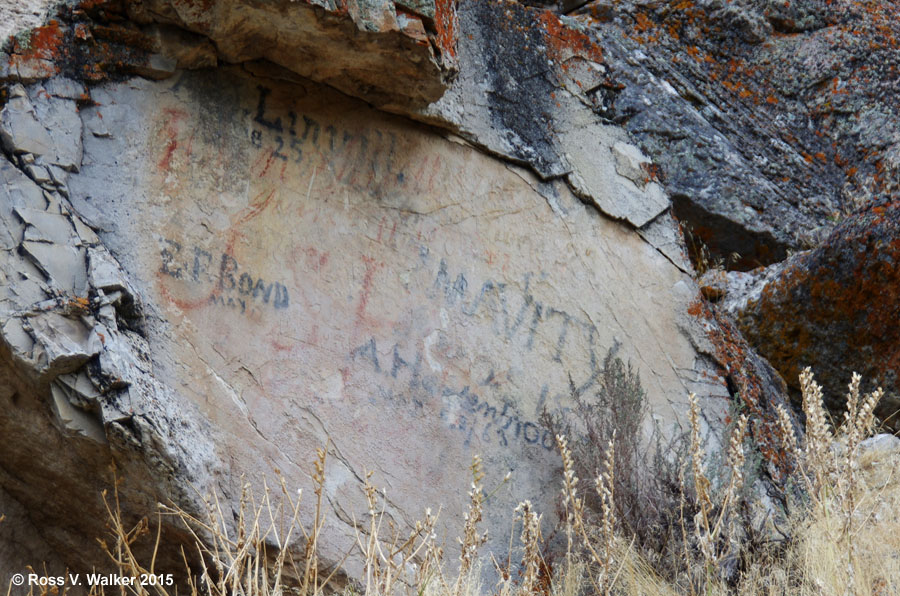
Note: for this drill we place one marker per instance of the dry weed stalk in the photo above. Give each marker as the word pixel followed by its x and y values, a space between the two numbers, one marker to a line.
pixel 531 548
pixel 234 558
pixel 605 485
pixel 471 540
pixel 708 527
pixel 831 460
pixel 604 578
pixel 401 559
pixel 832 554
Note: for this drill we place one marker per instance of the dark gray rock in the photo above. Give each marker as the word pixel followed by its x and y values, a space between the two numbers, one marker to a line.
pixel 762 139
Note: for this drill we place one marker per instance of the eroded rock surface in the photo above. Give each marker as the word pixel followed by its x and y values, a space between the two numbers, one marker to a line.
pixel 525 92
pixel 323 272
pixel 310 270
pixel 398 56
pixel 392 54
pixel 78 389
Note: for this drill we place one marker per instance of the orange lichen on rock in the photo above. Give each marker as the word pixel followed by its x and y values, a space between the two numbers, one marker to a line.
pixel 836 308
pixel 446 24
pixel 39 52
pixel 757 387
pixel 564 42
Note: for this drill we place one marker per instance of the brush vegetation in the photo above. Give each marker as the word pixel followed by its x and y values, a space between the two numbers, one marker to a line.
pixel 631 526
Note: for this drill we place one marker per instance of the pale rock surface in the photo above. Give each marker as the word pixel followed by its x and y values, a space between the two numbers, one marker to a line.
pixel 535 103
pixel 17 15
pixel 209 276
pixel 74 364
pixel 255 268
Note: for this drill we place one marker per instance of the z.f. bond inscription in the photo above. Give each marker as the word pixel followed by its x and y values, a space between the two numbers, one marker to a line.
pixel 229 284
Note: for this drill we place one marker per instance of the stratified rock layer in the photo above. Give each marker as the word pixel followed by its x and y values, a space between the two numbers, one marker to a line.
pixel 391 54
pixel 767 119
pixel 399 56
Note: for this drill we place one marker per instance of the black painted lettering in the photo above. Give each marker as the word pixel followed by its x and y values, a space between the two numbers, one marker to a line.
pixel 398 362
pixel 202 261
pixel 561 342
pixel 332 132
pixel 245 284
pixel 414 380
pixel 310 126
pixel 226 273
pixel 261 111
pixel 486 288
pixel 502 435
pixel 277 152
pixel 281 299
pixel 534 323
pixel 490 412
pixel 297 148
pixel 367 351
pixel 511 329
pixel 542 400
pixel 485 434
pixel 547 441
pixel 261 289
pixel 168 256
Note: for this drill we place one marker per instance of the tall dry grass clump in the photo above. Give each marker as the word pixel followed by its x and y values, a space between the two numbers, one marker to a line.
pixel 839 546
pixel 840 537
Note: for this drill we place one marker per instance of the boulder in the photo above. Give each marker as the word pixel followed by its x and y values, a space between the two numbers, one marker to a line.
pixel 835 309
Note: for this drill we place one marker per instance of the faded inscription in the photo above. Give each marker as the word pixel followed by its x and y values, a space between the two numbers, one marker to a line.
pixel 476 410
pixel 229 285
pixel 367 160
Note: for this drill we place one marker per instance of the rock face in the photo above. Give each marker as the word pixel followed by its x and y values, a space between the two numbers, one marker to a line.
pixel 767 120
pixel 210 274
pixel 835 308
pixel 18 16
pixel 537 109
pixel 397 56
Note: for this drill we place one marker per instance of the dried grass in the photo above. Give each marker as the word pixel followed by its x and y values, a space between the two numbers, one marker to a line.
pixel 842 538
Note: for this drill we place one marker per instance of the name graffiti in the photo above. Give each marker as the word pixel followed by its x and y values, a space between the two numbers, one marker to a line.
pixel 366 159
pixel 517 316
pixel 230 285
pixel 513 313
pixel 464 409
